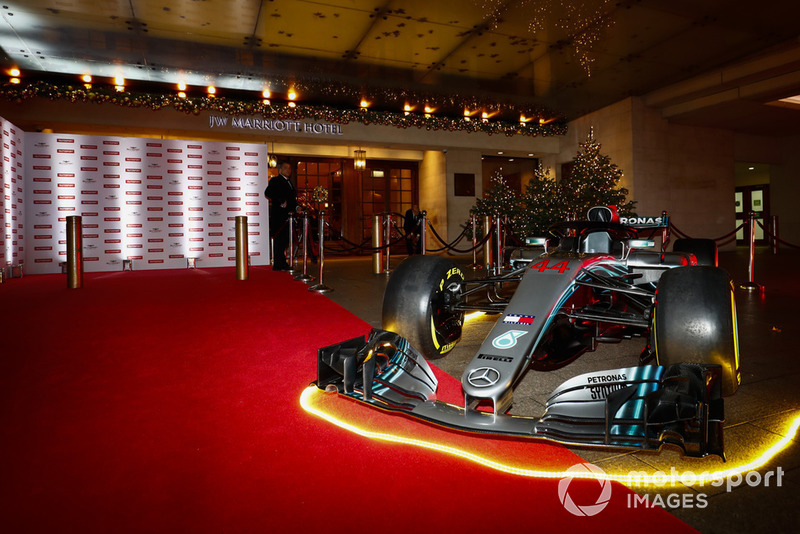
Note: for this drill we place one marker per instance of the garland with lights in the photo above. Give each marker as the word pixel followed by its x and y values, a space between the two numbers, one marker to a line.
pixel 19 93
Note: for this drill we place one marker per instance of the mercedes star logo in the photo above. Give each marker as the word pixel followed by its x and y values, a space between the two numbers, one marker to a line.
pixel 483 377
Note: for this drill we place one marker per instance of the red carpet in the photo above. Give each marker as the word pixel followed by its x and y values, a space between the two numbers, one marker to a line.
pixel 168 401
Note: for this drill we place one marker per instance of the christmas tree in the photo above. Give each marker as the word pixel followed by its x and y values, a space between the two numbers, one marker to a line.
pixel 498 199
pixel 594 182
pixel 541 205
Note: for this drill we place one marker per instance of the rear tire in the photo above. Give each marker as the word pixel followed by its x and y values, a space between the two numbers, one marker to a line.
pixel 416 300
pixel 705 250
pixel 694 321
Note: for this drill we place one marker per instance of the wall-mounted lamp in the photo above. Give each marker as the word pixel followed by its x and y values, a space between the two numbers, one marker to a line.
pixel 360 159
pixel 273 160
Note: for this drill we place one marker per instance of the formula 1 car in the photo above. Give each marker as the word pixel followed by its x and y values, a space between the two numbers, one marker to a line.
pixel 594 282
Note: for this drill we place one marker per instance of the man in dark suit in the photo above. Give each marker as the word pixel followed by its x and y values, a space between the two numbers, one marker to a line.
pixel 283 202
pixel 412 226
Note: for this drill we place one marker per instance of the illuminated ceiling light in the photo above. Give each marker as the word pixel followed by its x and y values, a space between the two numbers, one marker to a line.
pixel 485 117
pixel 14 80
pixel 407 107
pixel 292 94
pixel 181 94
pixel 265 93
pixel 633 478
pixel 429 109
pixel 14 72
pixel 360 159
pixel 542 121
pixel 467 113
pixel 211 90
pixel 530 155
pixel 119 80
pixel 364 103
pixel 87 78
pixel 181 86
pixel 499 152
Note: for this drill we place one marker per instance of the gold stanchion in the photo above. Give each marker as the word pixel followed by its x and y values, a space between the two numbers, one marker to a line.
pixel 377 255
pixel 241 248
pixel 74 252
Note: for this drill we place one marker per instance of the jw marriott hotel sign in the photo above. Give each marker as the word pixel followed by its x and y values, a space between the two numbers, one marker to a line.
pixel 274 125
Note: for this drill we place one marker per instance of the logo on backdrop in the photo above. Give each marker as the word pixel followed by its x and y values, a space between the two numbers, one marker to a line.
pixel 584 510
pixel 507 340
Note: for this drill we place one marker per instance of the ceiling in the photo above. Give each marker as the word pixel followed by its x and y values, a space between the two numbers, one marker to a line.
pixel 716 63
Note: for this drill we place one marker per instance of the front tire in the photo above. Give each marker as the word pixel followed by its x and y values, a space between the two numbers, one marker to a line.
pixel 417 300
pixel 694 321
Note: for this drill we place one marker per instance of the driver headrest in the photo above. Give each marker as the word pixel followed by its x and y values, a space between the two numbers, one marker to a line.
pixel 606 214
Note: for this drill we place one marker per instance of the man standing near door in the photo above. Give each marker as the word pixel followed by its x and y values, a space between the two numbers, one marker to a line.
pixel 283 202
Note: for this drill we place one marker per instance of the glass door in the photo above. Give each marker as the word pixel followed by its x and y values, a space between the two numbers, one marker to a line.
pixel 753 198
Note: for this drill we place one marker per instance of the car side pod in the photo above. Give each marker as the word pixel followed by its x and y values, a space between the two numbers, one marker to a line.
pixel 637 408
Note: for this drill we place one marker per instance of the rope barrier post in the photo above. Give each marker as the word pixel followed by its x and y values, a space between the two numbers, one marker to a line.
pixel 74 252
pixel 487 246
pixel 423 233
pixel 498 245
pixel 241 248
pixel 387 239
pixel 290 222
pixel 305 277
pixel 377 233
pixel 774 236
pixel 473 222
pixel 664 231
pixel 751 285
pixel 321 287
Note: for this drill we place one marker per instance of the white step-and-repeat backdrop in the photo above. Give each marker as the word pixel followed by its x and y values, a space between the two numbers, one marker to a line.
pixel 12 185
pixel 154 201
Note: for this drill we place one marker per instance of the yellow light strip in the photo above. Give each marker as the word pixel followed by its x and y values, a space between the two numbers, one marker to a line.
pixel 473 315
pixel 631 479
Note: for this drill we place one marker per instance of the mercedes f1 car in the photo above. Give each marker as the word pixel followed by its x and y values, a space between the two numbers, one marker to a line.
pixel 594 282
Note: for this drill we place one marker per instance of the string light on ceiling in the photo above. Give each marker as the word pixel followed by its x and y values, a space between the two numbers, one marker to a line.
pixel 582 22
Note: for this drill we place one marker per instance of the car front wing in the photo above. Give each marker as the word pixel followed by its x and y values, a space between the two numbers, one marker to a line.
pixel 638 408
